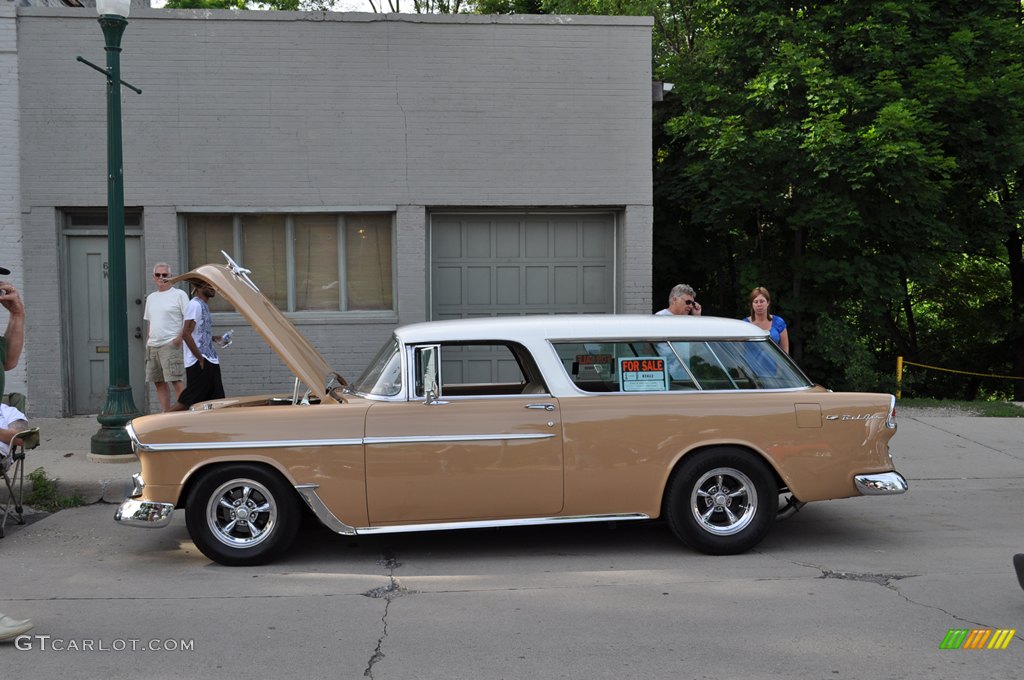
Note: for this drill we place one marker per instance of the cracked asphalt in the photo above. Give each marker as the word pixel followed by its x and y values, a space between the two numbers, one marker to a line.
pixel 857 588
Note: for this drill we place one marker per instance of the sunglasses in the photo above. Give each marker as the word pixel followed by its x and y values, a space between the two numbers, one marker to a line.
pixel 162 276
pixel 689 303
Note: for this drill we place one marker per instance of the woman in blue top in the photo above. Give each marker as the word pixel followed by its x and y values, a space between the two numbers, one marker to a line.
pixel 760 302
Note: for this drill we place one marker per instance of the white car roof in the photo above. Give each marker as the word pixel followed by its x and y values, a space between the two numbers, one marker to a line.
pixel 578 327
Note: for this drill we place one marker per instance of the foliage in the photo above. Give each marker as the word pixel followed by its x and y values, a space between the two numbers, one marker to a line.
pixel 45 494
pixel 863 160
pixel 988 409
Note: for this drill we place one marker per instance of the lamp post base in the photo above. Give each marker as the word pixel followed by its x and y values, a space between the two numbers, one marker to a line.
pixel 112 439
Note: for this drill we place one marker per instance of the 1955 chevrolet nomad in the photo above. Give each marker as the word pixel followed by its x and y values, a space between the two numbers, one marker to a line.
pixel 511 421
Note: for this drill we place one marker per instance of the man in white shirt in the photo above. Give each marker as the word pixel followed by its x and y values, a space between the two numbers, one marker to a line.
pixel 165 316
pixel 682 301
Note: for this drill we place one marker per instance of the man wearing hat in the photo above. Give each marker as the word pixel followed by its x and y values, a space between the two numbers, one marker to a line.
pixel 14 339
pixel 11 344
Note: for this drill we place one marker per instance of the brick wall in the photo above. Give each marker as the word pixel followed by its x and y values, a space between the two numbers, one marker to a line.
pixel 283 111
pixel 10 181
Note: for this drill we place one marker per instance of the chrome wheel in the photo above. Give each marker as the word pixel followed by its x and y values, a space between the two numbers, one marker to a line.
pixel 241 513
pixel 723 501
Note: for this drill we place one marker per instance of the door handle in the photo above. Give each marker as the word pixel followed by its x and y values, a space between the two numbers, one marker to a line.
pixel 543 407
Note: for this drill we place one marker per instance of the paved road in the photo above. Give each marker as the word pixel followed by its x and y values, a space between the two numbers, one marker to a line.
pixel 858 588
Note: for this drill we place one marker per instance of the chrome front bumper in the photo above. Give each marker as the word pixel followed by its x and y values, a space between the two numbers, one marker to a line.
pixel 881 484
pixel 138 513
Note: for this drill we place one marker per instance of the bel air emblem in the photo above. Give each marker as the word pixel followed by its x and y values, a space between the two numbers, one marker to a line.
pixel 863 416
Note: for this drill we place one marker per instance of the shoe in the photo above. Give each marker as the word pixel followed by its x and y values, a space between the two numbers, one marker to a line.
pixel 11 628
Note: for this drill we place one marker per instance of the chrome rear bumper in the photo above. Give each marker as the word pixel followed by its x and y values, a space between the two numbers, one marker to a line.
pixel 881 483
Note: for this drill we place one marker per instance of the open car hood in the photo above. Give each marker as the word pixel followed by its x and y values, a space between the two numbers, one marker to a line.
pixel 304 361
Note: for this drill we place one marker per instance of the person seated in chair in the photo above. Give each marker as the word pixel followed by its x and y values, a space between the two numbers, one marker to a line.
pixel 12 421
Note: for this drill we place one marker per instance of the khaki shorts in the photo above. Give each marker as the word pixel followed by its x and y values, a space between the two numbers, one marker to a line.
pixel 165 363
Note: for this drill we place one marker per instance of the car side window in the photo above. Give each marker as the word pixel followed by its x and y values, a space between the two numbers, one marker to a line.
pixel 476 369
pixel 739 365
pixel 609 366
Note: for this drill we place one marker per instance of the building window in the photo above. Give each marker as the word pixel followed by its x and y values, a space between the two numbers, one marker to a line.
pixel 302 262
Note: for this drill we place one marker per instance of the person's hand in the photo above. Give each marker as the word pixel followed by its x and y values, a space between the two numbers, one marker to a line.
pixel 202 363
pixel 695 309
pixel 10 298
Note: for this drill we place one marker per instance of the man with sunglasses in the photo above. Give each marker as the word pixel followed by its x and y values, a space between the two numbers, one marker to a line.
pixel 682 301
pixel 165 316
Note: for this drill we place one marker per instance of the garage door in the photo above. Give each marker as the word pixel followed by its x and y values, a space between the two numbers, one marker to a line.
pixel 513 265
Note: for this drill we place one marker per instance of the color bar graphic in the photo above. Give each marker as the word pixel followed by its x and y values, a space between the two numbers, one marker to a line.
pixel 978 638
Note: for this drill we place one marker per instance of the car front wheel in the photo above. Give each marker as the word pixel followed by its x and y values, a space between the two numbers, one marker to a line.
pixel 722 501
pixel 242 515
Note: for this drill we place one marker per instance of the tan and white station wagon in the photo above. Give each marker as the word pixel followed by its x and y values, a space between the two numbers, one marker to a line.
pixel 510 422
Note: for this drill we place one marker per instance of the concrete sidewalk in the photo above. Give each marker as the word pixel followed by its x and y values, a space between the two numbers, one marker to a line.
pixel 63 452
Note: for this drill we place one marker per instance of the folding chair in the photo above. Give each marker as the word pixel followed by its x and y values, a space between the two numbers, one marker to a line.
pixel 12 467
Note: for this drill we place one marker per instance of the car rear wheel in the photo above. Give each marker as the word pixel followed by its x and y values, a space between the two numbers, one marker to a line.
pixel 242 515
pixel 722 501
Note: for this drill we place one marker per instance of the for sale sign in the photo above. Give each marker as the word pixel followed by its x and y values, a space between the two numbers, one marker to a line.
pixel 643 374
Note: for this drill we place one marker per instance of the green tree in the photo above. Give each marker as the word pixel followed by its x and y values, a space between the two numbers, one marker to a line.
pixel 847 155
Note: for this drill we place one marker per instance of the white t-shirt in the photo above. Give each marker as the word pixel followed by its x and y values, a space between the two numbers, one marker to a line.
pixel 8 415
pixel 165 312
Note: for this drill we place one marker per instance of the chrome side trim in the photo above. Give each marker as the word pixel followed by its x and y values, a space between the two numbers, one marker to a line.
pixel 418 439
pixel 283 443
pixel 491 523
pixel 881 483
pixel 329 520
pixel 146 514
pixel 355 441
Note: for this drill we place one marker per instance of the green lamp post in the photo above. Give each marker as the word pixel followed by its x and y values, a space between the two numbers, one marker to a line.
pixel 119 408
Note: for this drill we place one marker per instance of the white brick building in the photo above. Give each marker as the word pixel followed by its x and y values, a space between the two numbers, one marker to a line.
pixel 372 170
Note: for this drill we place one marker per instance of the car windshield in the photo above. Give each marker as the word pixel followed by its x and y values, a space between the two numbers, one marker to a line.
pixel 383 377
